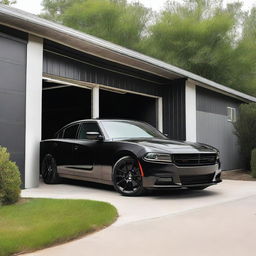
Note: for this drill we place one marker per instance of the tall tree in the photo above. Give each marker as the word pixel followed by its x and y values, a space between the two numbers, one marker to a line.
pixel 197 36
pixel 114 20
pixel 8 2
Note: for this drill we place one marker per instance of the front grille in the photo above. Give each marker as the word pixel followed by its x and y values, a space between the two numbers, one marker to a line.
pixel 196 179
pixel 194 159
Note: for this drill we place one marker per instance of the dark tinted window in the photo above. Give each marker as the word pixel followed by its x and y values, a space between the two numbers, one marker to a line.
pixel 70 132
pixel 87 127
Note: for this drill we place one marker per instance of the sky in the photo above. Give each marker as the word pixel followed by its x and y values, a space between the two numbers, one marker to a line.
pixel 34 6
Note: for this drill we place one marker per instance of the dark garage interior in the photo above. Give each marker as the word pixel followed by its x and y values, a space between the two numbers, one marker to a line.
pixel 62 104
pixel 127 106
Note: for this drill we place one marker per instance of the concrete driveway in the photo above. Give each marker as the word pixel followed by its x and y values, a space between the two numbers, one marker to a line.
pixel 220 220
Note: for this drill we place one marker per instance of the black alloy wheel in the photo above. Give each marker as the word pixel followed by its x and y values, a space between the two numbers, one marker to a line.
pixel 127 178
pixel 49 170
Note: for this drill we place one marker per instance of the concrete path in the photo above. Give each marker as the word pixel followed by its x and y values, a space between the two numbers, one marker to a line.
pixel 220 220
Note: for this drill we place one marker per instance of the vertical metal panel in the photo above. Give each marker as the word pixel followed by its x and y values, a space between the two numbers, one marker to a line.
pixel 58 65
pixel 213 127
pixel 174 110
pixel 12 97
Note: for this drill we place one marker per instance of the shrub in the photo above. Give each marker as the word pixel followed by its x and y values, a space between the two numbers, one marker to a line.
pixel 253 163
pixel 245 129
pixel 9 179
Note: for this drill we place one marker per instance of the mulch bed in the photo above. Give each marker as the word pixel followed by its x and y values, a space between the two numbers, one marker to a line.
pixel 237 175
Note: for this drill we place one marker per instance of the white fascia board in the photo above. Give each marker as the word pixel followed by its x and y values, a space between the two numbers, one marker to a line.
pixel 190 103
pixel 33 110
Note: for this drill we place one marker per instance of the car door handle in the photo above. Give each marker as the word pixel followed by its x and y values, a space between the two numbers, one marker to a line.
pixel 76 147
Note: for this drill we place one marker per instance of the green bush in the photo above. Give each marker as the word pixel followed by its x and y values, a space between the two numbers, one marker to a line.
pixel 245 129
pixel 9 179
pixel 253 163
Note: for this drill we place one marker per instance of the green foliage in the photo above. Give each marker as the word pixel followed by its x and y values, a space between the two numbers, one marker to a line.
pixel 253 163
pixel 8 2
pixel 245 129
pixel 9 179
pixel 113 20
pixel 38 223
pixel 201 36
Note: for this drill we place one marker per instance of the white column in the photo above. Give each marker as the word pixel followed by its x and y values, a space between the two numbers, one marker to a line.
pixel 33 109
pixel 160 114
pixel 190 92
pixel 95 102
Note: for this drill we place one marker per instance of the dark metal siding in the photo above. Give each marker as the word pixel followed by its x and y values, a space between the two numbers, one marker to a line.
pixel 62 66
pixel 213 127
pixel 12 97
pixel 174 110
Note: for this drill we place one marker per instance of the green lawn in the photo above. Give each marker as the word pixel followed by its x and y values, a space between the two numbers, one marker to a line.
pixel 38 223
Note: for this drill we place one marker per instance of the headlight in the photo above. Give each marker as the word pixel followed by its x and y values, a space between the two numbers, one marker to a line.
pixel 158 157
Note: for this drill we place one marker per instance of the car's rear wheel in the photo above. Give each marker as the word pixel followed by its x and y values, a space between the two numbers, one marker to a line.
pixel 127 178
pixel 49 170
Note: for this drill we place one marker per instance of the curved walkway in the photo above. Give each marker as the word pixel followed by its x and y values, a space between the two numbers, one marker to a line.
pixel 220 220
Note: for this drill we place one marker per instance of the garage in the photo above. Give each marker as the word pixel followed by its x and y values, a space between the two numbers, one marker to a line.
pixel 64 102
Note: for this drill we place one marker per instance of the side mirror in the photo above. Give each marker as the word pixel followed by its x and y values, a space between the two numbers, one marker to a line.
pixel 94 136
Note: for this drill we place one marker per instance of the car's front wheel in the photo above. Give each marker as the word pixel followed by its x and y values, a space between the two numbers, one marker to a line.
pixel 127 178
pixel 49 170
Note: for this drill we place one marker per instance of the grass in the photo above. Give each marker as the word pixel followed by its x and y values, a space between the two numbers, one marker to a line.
pixel 38 223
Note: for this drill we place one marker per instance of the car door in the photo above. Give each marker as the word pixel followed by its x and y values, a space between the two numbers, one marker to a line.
pixel 84 151
pixel 64 149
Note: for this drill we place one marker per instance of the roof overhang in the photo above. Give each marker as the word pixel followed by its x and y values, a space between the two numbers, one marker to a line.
pixel 35 25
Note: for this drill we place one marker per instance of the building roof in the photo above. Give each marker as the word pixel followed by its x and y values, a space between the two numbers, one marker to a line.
pixel 33 24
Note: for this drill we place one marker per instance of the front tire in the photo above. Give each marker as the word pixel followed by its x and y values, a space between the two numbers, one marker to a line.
pixel 49 170
pixel 127 178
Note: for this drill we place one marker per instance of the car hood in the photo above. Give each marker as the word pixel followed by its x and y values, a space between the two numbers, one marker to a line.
pixel 173 146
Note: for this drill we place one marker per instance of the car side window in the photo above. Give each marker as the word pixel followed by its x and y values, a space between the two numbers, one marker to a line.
pixel 70 132
pixel 87 127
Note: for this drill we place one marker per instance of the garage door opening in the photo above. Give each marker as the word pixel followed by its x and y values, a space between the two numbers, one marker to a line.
pixel 62 104
pixel 128 106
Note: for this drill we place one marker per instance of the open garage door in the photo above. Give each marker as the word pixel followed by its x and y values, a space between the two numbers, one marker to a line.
pixel 62 104
pixel 67 101
pixel 128 106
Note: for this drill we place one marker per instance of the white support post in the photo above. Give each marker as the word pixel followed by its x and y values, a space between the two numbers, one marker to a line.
pixel 190 98
pixel 33 109
pixel 95 102
pixel 160 114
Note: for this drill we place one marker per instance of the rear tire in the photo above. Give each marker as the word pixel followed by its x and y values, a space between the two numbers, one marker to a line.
pixel 49 170
pixel 127 178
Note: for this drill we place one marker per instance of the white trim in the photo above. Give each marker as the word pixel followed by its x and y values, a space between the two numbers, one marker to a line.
pixel 160 114
pixel 190 102
pixel 33 109
pixel 88 85
pixel 95 102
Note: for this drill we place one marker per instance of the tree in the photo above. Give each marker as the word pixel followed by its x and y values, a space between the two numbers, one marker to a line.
pixel 245 129
pixel 197 36
pixel 113 20
pixel 8 2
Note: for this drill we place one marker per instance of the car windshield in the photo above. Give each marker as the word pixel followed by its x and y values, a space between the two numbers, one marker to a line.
pixel 130 130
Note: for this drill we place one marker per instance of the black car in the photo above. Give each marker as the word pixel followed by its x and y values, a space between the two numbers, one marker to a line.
pixel 131 155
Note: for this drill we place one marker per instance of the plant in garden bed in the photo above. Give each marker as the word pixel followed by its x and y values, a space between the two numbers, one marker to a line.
pixel 9 179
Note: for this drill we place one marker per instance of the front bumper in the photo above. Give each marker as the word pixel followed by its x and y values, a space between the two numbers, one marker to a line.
pixel 163 176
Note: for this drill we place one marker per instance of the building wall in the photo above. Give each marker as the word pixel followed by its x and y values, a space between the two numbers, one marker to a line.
pixel 65 62
pixel 213 127
pixel 12 94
